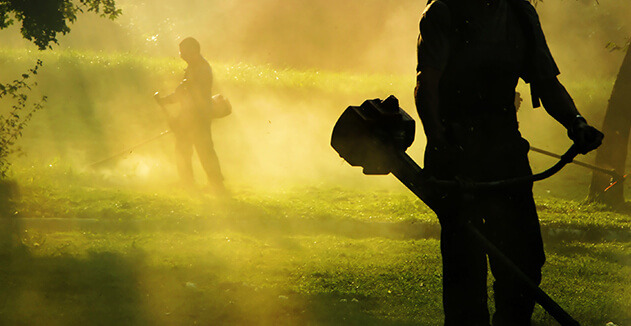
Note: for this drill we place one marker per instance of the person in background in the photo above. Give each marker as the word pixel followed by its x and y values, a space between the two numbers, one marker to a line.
pixel 471 54
pixel 192 125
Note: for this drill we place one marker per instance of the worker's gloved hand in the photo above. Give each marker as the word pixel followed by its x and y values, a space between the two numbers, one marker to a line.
pixel 586 138
pixel 158 98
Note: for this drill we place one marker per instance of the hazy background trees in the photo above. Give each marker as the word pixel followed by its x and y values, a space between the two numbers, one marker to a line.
pixel 40 22
pixel 356 37
pixel 350 35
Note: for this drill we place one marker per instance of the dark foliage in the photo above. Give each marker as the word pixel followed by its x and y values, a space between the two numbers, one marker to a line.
pixel 42 20
pixel 20 113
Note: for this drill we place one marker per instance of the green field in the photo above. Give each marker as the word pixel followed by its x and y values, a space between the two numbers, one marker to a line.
pixel 305 238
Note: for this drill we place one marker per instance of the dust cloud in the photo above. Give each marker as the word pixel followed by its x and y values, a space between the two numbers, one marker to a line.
pixel 277 135
pixel 101 117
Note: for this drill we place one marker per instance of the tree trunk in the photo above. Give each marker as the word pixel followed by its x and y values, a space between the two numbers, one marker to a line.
pixel 612 153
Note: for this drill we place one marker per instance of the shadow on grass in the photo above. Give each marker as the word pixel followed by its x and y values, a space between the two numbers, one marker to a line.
pixel 98 289
pixel 243 304
pixel 264 221
pixel 256 220
pixel 106 289
pixel 124 288
pixel 103 288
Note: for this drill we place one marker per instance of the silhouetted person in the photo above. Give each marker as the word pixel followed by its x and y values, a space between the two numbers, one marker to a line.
pixel 471 54
pixel 191 126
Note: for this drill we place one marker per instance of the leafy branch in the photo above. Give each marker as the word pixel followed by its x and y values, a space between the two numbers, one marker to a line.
pixel 43 20
pixel 18 116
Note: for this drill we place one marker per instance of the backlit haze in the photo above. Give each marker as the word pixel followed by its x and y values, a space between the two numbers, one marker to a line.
pixel 279 131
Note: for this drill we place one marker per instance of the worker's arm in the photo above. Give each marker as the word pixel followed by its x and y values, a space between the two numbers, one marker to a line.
pixel 427 104
pixel 559 104
pixel 173 97
pixel 432 53
pixel 169 99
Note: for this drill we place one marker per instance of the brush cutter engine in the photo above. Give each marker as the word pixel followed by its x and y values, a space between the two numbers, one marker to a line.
pixel 365 135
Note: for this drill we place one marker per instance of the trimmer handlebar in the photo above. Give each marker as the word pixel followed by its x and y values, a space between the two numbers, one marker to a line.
pixel 376 135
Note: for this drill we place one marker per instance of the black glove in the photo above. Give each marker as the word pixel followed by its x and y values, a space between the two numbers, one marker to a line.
pixel 585 137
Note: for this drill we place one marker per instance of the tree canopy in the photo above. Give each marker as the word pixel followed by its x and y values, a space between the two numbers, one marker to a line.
pixel 42 20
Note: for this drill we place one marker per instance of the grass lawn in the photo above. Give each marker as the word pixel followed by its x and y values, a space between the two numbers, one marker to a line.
pixel 305 256
pixel 304 240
